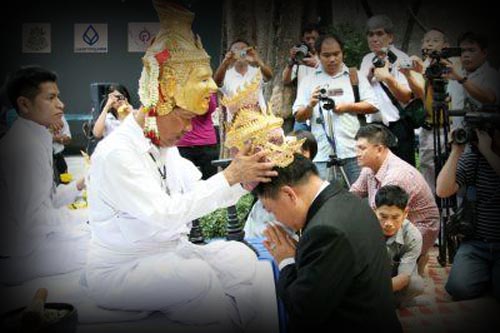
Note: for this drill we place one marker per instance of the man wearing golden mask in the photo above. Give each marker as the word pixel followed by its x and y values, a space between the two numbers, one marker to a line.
pixel 143 196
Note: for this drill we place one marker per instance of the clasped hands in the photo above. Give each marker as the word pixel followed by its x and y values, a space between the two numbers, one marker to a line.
pixel 279 243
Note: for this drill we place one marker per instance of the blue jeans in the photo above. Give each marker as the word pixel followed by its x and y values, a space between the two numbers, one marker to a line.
pixel 351 169
pixel 475 268
pixel 301 126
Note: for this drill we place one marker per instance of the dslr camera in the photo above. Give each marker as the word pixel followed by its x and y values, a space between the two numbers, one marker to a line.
pixel 486 119
pixel 379 62
pixel 328 103
pixel 436 69
pixel 302 52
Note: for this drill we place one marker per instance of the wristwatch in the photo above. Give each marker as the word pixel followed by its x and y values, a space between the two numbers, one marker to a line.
pixel 462 80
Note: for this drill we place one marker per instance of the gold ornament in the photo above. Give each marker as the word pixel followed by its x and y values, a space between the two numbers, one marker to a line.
pixel 176 67
pixel 260 129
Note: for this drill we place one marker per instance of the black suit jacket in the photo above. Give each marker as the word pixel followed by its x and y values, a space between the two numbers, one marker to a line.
pixel 341 278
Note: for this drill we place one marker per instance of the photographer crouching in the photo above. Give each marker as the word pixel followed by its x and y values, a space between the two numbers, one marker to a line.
pixel 476 166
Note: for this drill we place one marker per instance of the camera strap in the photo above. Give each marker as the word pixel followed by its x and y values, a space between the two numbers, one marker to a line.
pixel 392 98
pixel 353 77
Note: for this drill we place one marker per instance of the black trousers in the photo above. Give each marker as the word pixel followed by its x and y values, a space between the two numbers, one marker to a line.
pixel 202 157
pixel 405 149
pixel 60 163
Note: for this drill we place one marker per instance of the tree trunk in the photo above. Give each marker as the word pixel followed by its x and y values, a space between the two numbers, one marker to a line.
pixel 273 27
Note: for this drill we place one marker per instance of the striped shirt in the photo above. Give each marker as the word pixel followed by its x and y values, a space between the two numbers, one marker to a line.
pixel 424 213
pixel 487 193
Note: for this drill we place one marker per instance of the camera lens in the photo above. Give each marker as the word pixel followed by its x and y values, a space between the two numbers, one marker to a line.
pixel 460 136
pixel 302 50
pixel 378 62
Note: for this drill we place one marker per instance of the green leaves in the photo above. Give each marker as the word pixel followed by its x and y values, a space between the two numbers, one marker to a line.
pixel 213 225
pixel 355 42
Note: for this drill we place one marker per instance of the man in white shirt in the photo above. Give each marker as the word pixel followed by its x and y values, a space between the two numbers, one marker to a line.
pixel 39 235
pixel 380 35
pixel 334 129
pixel 301 66
pixel 240 65
pixel 143 196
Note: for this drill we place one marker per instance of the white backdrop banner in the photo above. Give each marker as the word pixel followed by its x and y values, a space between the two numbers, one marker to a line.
pixel 91 38
pixel 140 35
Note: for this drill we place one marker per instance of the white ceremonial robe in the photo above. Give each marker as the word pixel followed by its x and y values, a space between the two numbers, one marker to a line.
pixel 140 257
pixel 40 237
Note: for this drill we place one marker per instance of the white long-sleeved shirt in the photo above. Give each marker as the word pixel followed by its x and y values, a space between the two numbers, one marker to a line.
pixel 387 111
pixel 132 207
pixel 344 126
pixel 30 202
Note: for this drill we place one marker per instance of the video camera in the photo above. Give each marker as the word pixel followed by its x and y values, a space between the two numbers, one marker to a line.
pixel 302 52
pixel 436 69
pixel 487 119
pixel 379 62
pixel 324 97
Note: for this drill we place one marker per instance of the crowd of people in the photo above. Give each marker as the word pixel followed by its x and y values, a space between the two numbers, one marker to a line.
pixel 349 221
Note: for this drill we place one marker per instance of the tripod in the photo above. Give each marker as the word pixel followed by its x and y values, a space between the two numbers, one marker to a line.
pixel 334 164
pixel 440 116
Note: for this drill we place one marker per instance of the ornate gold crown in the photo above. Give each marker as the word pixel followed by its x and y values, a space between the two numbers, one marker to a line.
pixel 245 97
pixel 261 129
pixel 169 61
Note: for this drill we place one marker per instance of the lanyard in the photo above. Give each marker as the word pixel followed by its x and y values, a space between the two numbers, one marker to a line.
pixel 162 171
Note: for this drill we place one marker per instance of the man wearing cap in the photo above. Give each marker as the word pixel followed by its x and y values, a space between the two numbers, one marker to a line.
pixel 143 196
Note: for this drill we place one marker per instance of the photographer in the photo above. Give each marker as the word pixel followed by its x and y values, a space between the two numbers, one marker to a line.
pixel 480 81
pixel 475 266
pixel 303 57
pixel 390 85
pixel 433 44
pixel 240 65
pixel 333 113
pixel 302 62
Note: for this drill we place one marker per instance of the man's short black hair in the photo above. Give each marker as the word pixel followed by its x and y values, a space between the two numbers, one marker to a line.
pixel 441 31
pixel 322 38
pixel 377 134
pixel 296 173
pixel 26 82
pixel 474 37
pixel 310 27
pixel 391 195
pixel 310 145
pixel 239 40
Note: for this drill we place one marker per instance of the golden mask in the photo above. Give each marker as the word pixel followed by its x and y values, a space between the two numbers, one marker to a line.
pixel 176 67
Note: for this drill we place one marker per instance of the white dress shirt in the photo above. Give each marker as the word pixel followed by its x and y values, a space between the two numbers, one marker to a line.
pixel 139 256
pixel 387 111
pixel 344 125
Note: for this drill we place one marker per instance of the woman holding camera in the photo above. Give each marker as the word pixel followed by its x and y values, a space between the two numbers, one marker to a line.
pixel 115 110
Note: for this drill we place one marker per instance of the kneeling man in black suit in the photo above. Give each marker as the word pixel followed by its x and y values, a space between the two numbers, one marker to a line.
pixel 337 276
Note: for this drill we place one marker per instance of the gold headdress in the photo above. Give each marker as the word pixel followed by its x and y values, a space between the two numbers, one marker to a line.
pixel 176 67
pixel 261 129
